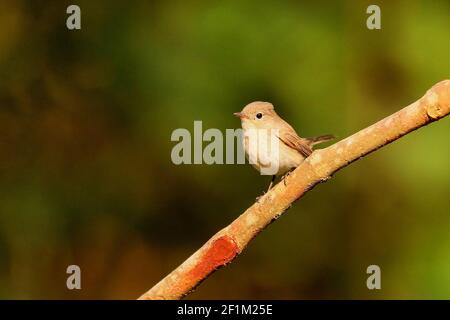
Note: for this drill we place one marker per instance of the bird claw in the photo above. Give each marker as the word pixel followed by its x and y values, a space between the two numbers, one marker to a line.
pixel 259 197
pixel 284 178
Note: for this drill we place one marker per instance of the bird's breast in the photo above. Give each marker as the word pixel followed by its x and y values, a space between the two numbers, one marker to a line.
pixel 269 155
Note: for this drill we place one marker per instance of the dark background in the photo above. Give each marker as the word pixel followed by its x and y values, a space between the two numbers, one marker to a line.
pixel 86 117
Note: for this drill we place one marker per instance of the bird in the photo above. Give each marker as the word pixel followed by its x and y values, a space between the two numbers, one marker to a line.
pixel 292 150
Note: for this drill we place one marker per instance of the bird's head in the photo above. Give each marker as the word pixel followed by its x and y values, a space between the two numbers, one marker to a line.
pixel 257 115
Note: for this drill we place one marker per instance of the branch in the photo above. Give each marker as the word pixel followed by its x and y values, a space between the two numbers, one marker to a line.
pixel 224 246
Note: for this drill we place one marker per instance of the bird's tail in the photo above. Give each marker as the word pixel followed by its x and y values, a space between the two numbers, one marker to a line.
pixel 319 139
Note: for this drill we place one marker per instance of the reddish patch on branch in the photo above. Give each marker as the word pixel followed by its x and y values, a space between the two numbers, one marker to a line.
pixel 221 251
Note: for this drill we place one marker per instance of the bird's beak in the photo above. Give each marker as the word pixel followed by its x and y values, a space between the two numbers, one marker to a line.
pixel 239 115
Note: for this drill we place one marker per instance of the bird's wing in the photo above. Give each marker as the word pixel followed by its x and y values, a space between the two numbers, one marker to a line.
pixel 291 139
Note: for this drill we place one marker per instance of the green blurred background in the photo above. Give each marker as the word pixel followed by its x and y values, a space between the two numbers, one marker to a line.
pixel 85 122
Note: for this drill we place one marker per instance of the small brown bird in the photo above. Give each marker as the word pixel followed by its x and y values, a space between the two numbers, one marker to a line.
pixel 292 149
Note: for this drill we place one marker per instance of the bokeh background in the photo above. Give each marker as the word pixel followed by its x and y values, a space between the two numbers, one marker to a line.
pixel 86 118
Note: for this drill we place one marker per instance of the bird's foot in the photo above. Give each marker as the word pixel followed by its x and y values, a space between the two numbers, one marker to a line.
pixel 284 178
pixel 259 197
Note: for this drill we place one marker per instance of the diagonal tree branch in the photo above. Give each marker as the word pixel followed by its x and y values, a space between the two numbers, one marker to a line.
pixel 224 246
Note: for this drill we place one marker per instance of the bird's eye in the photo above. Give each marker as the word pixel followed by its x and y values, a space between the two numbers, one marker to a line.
pixel 259 115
